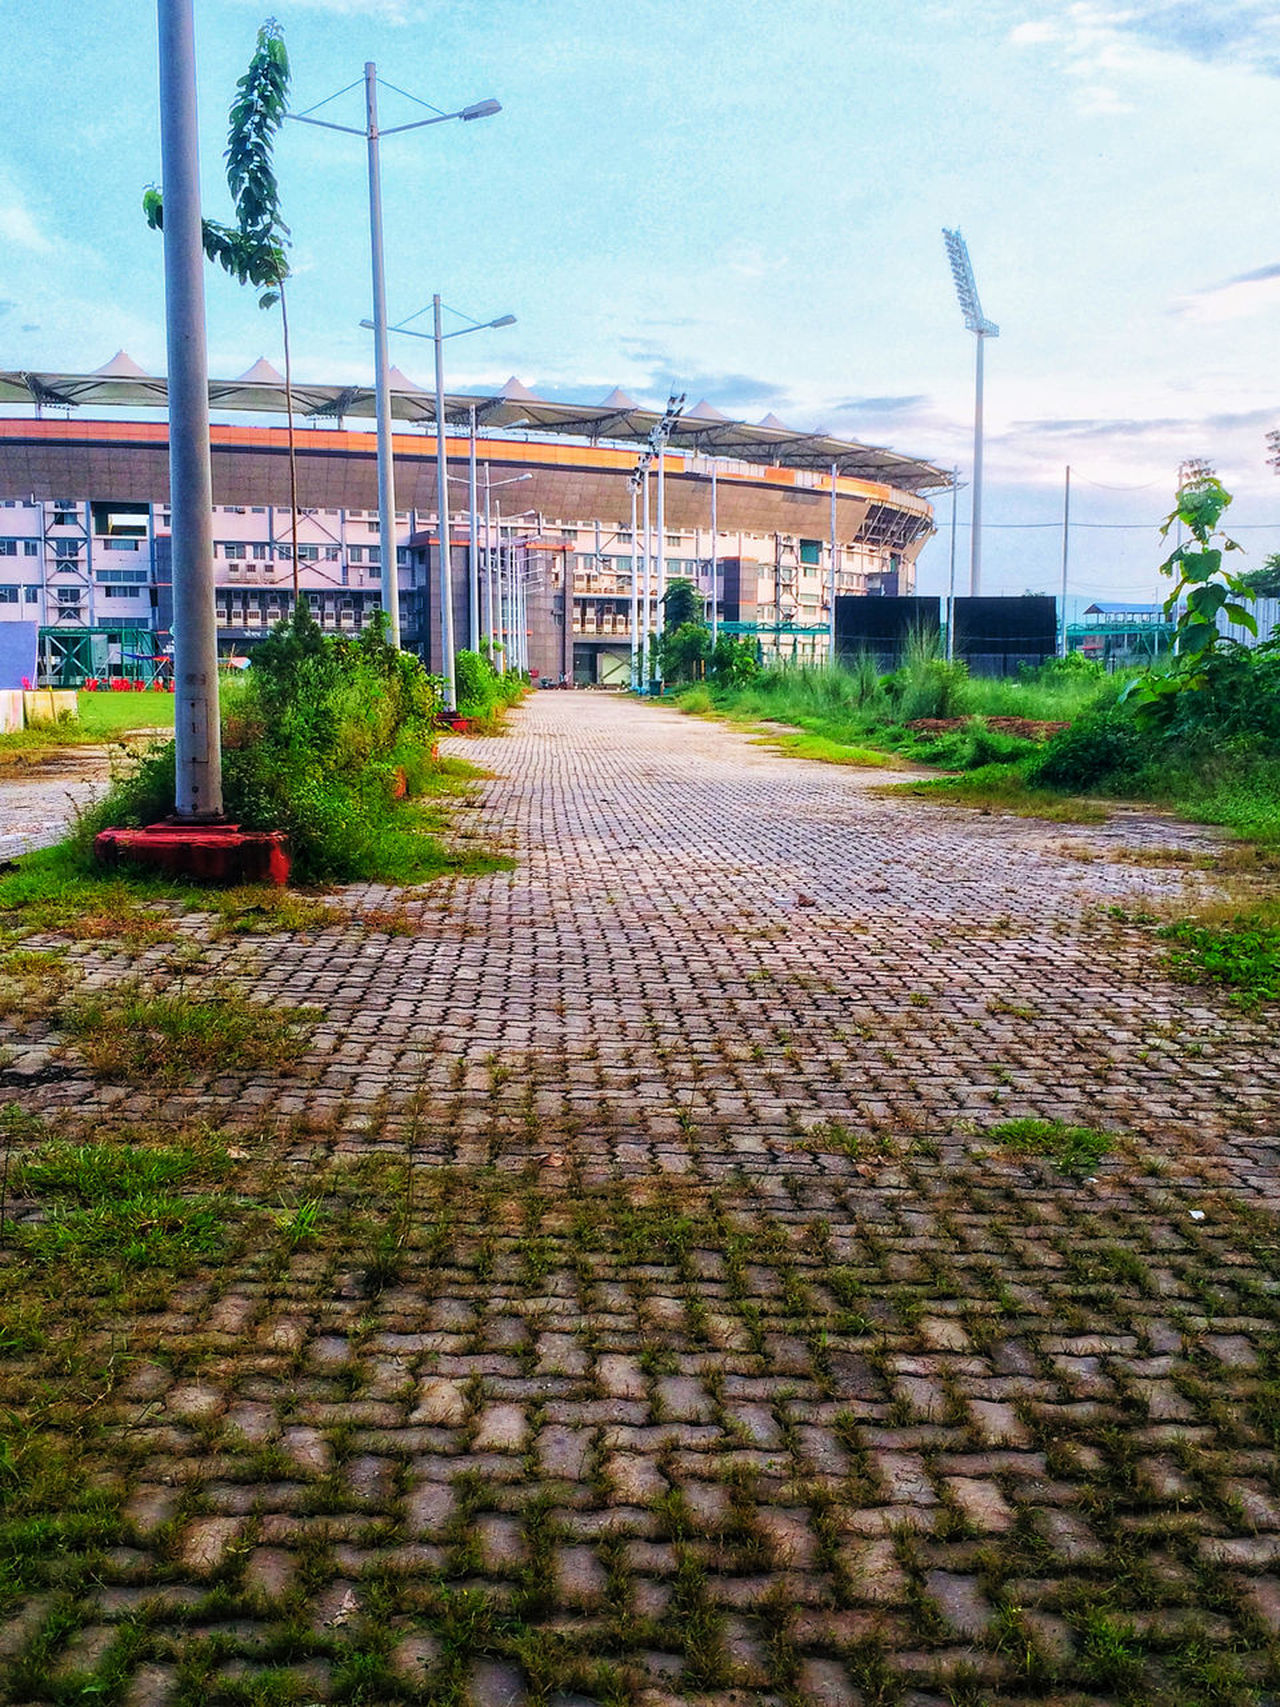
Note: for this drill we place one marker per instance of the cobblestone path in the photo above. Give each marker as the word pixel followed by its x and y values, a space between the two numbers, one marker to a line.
pixel 632 1299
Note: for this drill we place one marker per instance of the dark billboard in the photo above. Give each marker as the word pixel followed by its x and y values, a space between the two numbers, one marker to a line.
pixel 871 626
pixel 997 636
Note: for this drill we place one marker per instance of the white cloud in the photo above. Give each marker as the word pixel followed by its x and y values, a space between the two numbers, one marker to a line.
pixel 17 226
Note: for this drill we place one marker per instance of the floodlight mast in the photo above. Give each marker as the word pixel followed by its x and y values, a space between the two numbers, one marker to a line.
pixel 982 328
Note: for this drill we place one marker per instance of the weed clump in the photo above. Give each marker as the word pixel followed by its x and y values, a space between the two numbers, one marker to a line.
pixel 1242 952
pixel 1073 1150
pixel 123 1204
pixel 129 1033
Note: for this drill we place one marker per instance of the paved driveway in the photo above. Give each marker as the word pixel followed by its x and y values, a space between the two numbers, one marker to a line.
pixel 725 1355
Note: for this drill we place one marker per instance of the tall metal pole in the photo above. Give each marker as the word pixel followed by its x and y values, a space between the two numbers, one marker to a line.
pixel 490 626
pixel 1066 537
pixel 831 614
pixel 442 510
pixel 473 559
pixel 635 594
pixel 660 613
pixel 646 617
pixel 382 392
pixel 975 542
pixel 198 770
pixel 715 566
pixel 499 620
pixel 951 583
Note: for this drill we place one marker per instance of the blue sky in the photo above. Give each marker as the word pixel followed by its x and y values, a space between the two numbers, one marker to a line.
pixel 744 199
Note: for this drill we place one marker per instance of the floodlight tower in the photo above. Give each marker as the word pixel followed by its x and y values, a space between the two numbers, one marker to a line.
pixel 982 328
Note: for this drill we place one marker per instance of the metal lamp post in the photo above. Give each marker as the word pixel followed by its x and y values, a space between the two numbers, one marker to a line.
pixel 378 325
pixel 438 336
pixel 982 328
pixel 198 774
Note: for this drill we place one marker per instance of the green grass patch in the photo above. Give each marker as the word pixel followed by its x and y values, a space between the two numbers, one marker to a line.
pixel 123 1204
pixel 130 1034
pixel 1242 952
pixel 1003 788
pixel 100 719
pixel 54 890
pixel 829 752
pixel 1073 1150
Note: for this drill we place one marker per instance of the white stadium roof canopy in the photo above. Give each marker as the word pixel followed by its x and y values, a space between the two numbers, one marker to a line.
pixel 702 430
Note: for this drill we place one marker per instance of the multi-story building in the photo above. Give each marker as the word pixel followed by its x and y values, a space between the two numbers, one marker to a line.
pixel 84 526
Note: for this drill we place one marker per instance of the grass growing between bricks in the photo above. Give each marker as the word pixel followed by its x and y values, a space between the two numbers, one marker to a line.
pixel 133 1034
pixel 913 1428
pixel 1073 1150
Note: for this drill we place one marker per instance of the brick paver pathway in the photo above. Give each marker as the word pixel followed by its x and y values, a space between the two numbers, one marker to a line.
pixel 671 1327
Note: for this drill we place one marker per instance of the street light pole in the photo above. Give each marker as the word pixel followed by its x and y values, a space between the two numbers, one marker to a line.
pixel 442 512
pixel 473 562
pixel 198 741
pixel 982 328
pixel 438 336
pixel 831 614
pixel 378 325
pixel 382 392
pixel 635 592
pixel 715 565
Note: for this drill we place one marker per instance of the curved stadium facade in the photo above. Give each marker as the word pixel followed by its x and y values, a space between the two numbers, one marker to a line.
pixel 84 546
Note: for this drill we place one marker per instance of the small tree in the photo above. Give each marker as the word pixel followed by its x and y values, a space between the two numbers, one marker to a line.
pixel 733 661
pixel 253 250
pixel 681 603
pixel 683 651
pixel 1196 570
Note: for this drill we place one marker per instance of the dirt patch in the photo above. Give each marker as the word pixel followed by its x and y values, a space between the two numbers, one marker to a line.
pixel 1027 727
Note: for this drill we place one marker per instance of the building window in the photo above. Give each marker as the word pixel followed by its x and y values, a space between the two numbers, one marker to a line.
pixel 31 595
pixel 230 551
pixel 30 547
pixel 308 554
pixel 331 554
pixel 8 548
pixel 811 551
pixel 261 551
pixel 8 595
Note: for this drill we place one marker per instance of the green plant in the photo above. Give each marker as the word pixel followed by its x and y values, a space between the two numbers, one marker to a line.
pixel 1103 747
pixel 124 1203
pixel 1073 1150
pixel 1195 567
pixel 1242 952
pixel 131 1034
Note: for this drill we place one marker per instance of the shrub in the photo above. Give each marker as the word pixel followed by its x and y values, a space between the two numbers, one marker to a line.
pixel 1102 747
pixel 316 742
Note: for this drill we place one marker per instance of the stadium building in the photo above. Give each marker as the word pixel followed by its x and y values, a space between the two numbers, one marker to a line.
pixel 84 522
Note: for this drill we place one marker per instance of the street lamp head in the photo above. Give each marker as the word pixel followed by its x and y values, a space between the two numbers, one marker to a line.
pixel 504 320
pixel 480 110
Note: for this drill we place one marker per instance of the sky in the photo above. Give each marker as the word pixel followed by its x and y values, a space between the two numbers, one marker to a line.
pixel 742 199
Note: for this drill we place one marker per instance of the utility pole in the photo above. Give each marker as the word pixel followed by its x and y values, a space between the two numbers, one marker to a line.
pixel 1066 536
pixel 198 738
pixel 831 614
pixel 951 583
pixel 715 565
pixel 473 561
